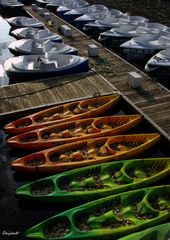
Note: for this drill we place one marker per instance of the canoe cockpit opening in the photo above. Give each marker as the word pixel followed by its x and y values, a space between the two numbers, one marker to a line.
pixel 24 122
pixel 36 160
pixel 159 200
pixel 44 187
pixel 57 228
pixel 28 137
pixel 124 146
pixel 145 168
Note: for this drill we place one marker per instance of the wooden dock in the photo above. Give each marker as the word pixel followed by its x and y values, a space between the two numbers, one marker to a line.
pixel 152 100
pixel 38 94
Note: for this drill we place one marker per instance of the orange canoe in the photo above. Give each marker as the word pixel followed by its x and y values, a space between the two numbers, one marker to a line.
pixel 92 107
pixel 87 152
pixel 55 135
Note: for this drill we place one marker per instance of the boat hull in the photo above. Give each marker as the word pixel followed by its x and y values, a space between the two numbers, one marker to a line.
pixel 17 75
pixel 138 54
pixel 71 17
pixel 85 153
pixel 108 218
pixel 89 183
pixel 95 31
pixel 80 23
pixel 54 116
pixel 160 72
pixel 74 131
pixel 113 41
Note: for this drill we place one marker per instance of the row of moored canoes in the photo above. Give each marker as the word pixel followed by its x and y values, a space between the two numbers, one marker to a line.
pixel 77 134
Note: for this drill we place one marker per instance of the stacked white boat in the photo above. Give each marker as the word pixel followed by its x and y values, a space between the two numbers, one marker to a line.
pixel 11 4
pixel 31 47
pixel 124 28
pixel 36 34
pixel 159 64
pixel 146 44
pixel 54 4
pixel 112 17
pixel 32 67
pixel 45 3
pixel 43 53
pixel 71 15
pixel 21 21
pixel 72 4
pixel 99 12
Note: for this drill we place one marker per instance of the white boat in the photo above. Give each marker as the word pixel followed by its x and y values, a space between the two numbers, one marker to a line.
pixel 123 30
pixel 44 3
pixel 32 67
pixel 73 4
pixel 91 17
pixel 33 47
pixel 22 21
pixel 11 4
pixel 53 5
pixel 35 33
pixel 145 45
pixel 100 25
pixel 71 15
pixel 159 64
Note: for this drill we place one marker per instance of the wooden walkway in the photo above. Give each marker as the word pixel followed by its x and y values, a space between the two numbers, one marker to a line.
pixel 151 99
pixel 37 94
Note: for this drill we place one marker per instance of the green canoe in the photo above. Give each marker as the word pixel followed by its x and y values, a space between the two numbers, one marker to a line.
pixel 97 181
pixel 160 232
pixel 108 218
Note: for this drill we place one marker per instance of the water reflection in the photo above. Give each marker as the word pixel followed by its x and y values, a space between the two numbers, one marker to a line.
pixel 5 39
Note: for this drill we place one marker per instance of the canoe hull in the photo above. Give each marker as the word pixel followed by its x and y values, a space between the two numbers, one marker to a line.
pixel 108 218
pixel 160 232
pixel 89 183
pixel 38 140
pixel 30 122
pixel 84 153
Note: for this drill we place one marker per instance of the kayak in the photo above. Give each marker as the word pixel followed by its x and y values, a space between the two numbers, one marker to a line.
pixel 63 113
pixel 96 181
pixel 73 131
pixel 85 152
pixel 160 232
pixel 108 218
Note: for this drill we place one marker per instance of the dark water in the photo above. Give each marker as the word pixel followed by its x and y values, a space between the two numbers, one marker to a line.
pixel 5 40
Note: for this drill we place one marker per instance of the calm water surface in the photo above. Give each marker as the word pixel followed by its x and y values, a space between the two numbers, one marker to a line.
pixel 5 40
